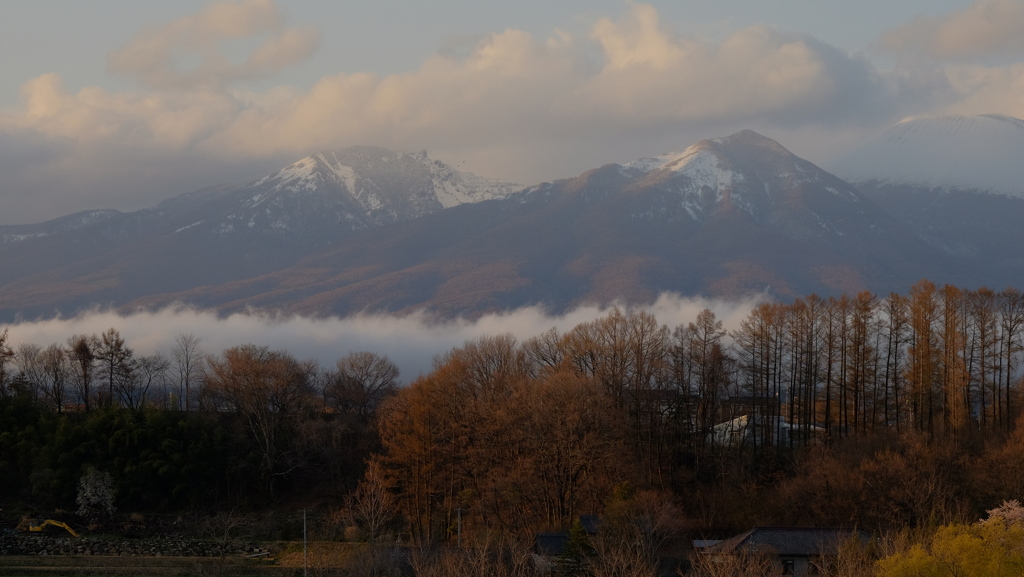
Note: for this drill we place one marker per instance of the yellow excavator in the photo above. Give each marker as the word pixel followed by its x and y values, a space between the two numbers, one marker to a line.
pixel 39 525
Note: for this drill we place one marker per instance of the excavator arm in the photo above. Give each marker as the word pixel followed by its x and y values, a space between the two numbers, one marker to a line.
pixel 38 525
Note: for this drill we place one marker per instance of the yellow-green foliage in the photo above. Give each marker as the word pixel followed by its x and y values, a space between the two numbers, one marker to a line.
pixel 990 548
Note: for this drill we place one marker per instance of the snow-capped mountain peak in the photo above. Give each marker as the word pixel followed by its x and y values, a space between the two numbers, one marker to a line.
pixel 331 192
pixel 355 170
pixel 749 173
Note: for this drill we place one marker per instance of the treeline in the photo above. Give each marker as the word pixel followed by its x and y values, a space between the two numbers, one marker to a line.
pixel 867 411
pixel 187 431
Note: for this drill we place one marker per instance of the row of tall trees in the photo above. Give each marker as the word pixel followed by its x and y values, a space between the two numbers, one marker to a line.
pixel 941 361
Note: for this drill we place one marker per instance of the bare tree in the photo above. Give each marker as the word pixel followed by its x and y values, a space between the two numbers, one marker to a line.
pixel 188 358
pixel 491 555
pixel 48 370
pixel 81 349
pixel 565 443
pixel 922 372
pixel 57 370
pixel 27 358
pixel 269 388
pixel 361 383
pixel 116 362
pixel 701 372
pixel 545 352
pixel 1012 328
pixel 635 530
pixel 743 564
pixel 372 507
pixel 150 371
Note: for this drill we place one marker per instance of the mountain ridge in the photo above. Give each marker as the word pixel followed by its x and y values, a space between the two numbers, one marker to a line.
pixel 369 229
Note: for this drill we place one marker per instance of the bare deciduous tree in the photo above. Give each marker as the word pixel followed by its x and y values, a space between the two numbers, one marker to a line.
pixel 116 362
pixel 188 365
pixel 48 370
pixel 29 367
pixel 150 372
pixel 81 349
pixel 269 388
pixel 372 507
pixel 361 383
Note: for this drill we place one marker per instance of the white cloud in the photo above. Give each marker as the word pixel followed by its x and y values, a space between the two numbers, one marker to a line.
pixel 638 40
pixel 411 341
pixel 985 28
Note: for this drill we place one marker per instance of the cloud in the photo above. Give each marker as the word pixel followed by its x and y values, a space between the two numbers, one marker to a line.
pixel 985 28
pixel 410 341
pixel 982 89
pixel 510 87
pixel 190 52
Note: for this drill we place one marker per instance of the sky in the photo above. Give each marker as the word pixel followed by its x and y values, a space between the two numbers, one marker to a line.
pixel 120 104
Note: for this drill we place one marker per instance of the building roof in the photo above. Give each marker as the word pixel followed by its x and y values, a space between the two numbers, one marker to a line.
pixel 590 523
pixel 552 544
pixel 787 541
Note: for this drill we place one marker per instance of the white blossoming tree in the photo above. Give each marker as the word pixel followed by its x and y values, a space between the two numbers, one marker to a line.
pixel 96 493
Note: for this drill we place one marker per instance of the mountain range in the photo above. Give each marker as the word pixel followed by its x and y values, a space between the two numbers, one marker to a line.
pixel 370 229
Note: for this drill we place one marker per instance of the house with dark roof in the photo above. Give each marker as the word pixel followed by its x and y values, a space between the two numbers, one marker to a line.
pixel 548 548
pixel 795 550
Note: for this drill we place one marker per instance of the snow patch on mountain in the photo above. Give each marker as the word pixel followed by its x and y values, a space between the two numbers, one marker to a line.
pixel 699 162
pixel 704 168
pixel 450 187
pixel 692 173
pixel 453 187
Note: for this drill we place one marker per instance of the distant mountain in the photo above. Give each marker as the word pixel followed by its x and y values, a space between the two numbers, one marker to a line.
pixel 981 153
pixel 369 229
pixel 225 233
pixel 725 217
pixel 956 181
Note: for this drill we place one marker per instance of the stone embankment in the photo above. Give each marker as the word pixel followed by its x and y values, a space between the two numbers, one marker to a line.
pixel 20 544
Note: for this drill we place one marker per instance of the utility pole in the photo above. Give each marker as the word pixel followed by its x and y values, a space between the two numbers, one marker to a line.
pixel 305 564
